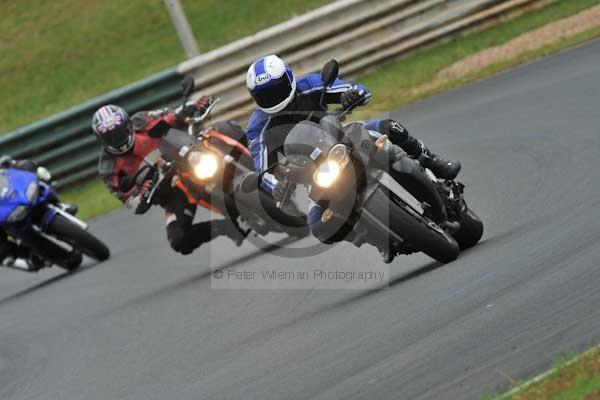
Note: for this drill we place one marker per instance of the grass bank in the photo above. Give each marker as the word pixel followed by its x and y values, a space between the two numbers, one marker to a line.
pixel 575 379
pixel 56 54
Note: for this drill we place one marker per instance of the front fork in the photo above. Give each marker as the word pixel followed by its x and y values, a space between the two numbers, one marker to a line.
pixel 53 211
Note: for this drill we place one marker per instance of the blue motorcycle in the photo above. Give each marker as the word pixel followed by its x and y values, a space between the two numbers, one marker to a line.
pixel 31 216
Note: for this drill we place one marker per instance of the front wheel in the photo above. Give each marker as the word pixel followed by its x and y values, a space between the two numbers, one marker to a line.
pixel 80 239
pixel 421 233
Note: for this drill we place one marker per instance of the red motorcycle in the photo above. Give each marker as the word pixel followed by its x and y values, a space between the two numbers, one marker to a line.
pixel 209 165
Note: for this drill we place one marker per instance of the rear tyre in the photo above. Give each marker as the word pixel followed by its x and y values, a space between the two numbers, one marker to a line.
pixel 414 228
pixel 471 230
pixel 80 239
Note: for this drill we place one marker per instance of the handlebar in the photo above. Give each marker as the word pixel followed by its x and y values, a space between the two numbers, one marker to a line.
pixel 193 121
pixel 341 112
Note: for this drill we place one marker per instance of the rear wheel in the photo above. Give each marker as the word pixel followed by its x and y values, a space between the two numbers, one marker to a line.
pixel 80 239
pixel 471 230
pixel 421 233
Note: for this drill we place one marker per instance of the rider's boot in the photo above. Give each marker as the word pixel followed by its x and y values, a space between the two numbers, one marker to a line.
pixel 441 167
pixel 236 233
pixel 31 264
pixel 225 227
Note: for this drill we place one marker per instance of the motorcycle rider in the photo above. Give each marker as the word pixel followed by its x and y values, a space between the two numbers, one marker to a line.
pixel 11 253
pixel 283 101
pixel 127 142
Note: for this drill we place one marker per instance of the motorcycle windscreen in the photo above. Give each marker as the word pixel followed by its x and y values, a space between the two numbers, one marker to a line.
pixel 13 190
pixel 307 144
pixel 173 143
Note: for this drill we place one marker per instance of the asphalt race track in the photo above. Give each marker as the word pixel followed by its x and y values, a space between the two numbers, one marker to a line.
pixel 147 325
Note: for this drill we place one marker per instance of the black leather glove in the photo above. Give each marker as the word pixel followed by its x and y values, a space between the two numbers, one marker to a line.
pixel 139 202
pixel 352 97
pixel 192 107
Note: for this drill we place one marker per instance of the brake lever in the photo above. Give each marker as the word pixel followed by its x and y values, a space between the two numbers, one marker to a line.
pixel 341 113
pixel 207 111
pixel 193 121
pixel 160 173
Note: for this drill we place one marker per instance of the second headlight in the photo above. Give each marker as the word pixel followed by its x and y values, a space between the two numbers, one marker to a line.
pixel 33 191
pixel 327 173
pixel 205 164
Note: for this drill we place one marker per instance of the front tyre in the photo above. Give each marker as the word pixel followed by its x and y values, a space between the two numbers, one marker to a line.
pixel 80 239
pixel 417 230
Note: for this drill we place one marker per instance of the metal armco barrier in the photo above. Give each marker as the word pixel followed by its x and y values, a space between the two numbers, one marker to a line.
pixel 358 33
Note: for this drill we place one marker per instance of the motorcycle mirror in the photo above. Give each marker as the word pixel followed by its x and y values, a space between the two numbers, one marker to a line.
pixel 330 72
pixel 249 182
pixel 187 86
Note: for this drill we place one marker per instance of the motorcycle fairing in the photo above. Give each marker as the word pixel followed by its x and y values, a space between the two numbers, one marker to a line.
pixel 13 193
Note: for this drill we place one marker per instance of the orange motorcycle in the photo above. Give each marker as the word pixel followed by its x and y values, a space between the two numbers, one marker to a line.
pixel 209 165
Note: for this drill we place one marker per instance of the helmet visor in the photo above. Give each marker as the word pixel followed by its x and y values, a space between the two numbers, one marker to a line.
pixel 273 95
pixel 118 137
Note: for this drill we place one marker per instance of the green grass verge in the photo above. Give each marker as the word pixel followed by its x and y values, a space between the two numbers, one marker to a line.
pixel 574 379
pixel 56 54
pixel 392 82
pixel 93 199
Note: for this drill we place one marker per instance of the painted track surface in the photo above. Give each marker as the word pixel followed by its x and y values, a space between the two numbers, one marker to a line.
pixel 146 324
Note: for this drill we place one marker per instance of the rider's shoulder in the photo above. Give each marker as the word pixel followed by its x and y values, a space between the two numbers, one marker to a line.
pixel 257 119
pixel 308 82
pixel 140 119
pixel 106 163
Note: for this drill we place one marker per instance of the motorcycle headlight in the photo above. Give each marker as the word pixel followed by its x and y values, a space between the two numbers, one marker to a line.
pixel 205 165
pixel 18 214
pixel 43 174
pixel 327 173
pixel 33 191
pixel 339 154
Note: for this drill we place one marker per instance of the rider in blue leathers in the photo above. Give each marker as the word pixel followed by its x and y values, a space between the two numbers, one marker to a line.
pixel 283 101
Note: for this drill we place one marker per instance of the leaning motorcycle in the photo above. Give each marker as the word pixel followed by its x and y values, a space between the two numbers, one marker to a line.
pixel 371 191
pixel 31 216
pixel 209 165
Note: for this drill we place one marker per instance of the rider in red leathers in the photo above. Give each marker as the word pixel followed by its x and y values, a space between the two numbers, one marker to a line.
pixel 127 142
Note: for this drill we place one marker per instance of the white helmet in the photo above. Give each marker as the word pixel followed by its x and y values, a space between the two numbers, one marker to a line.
pixel 271 84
